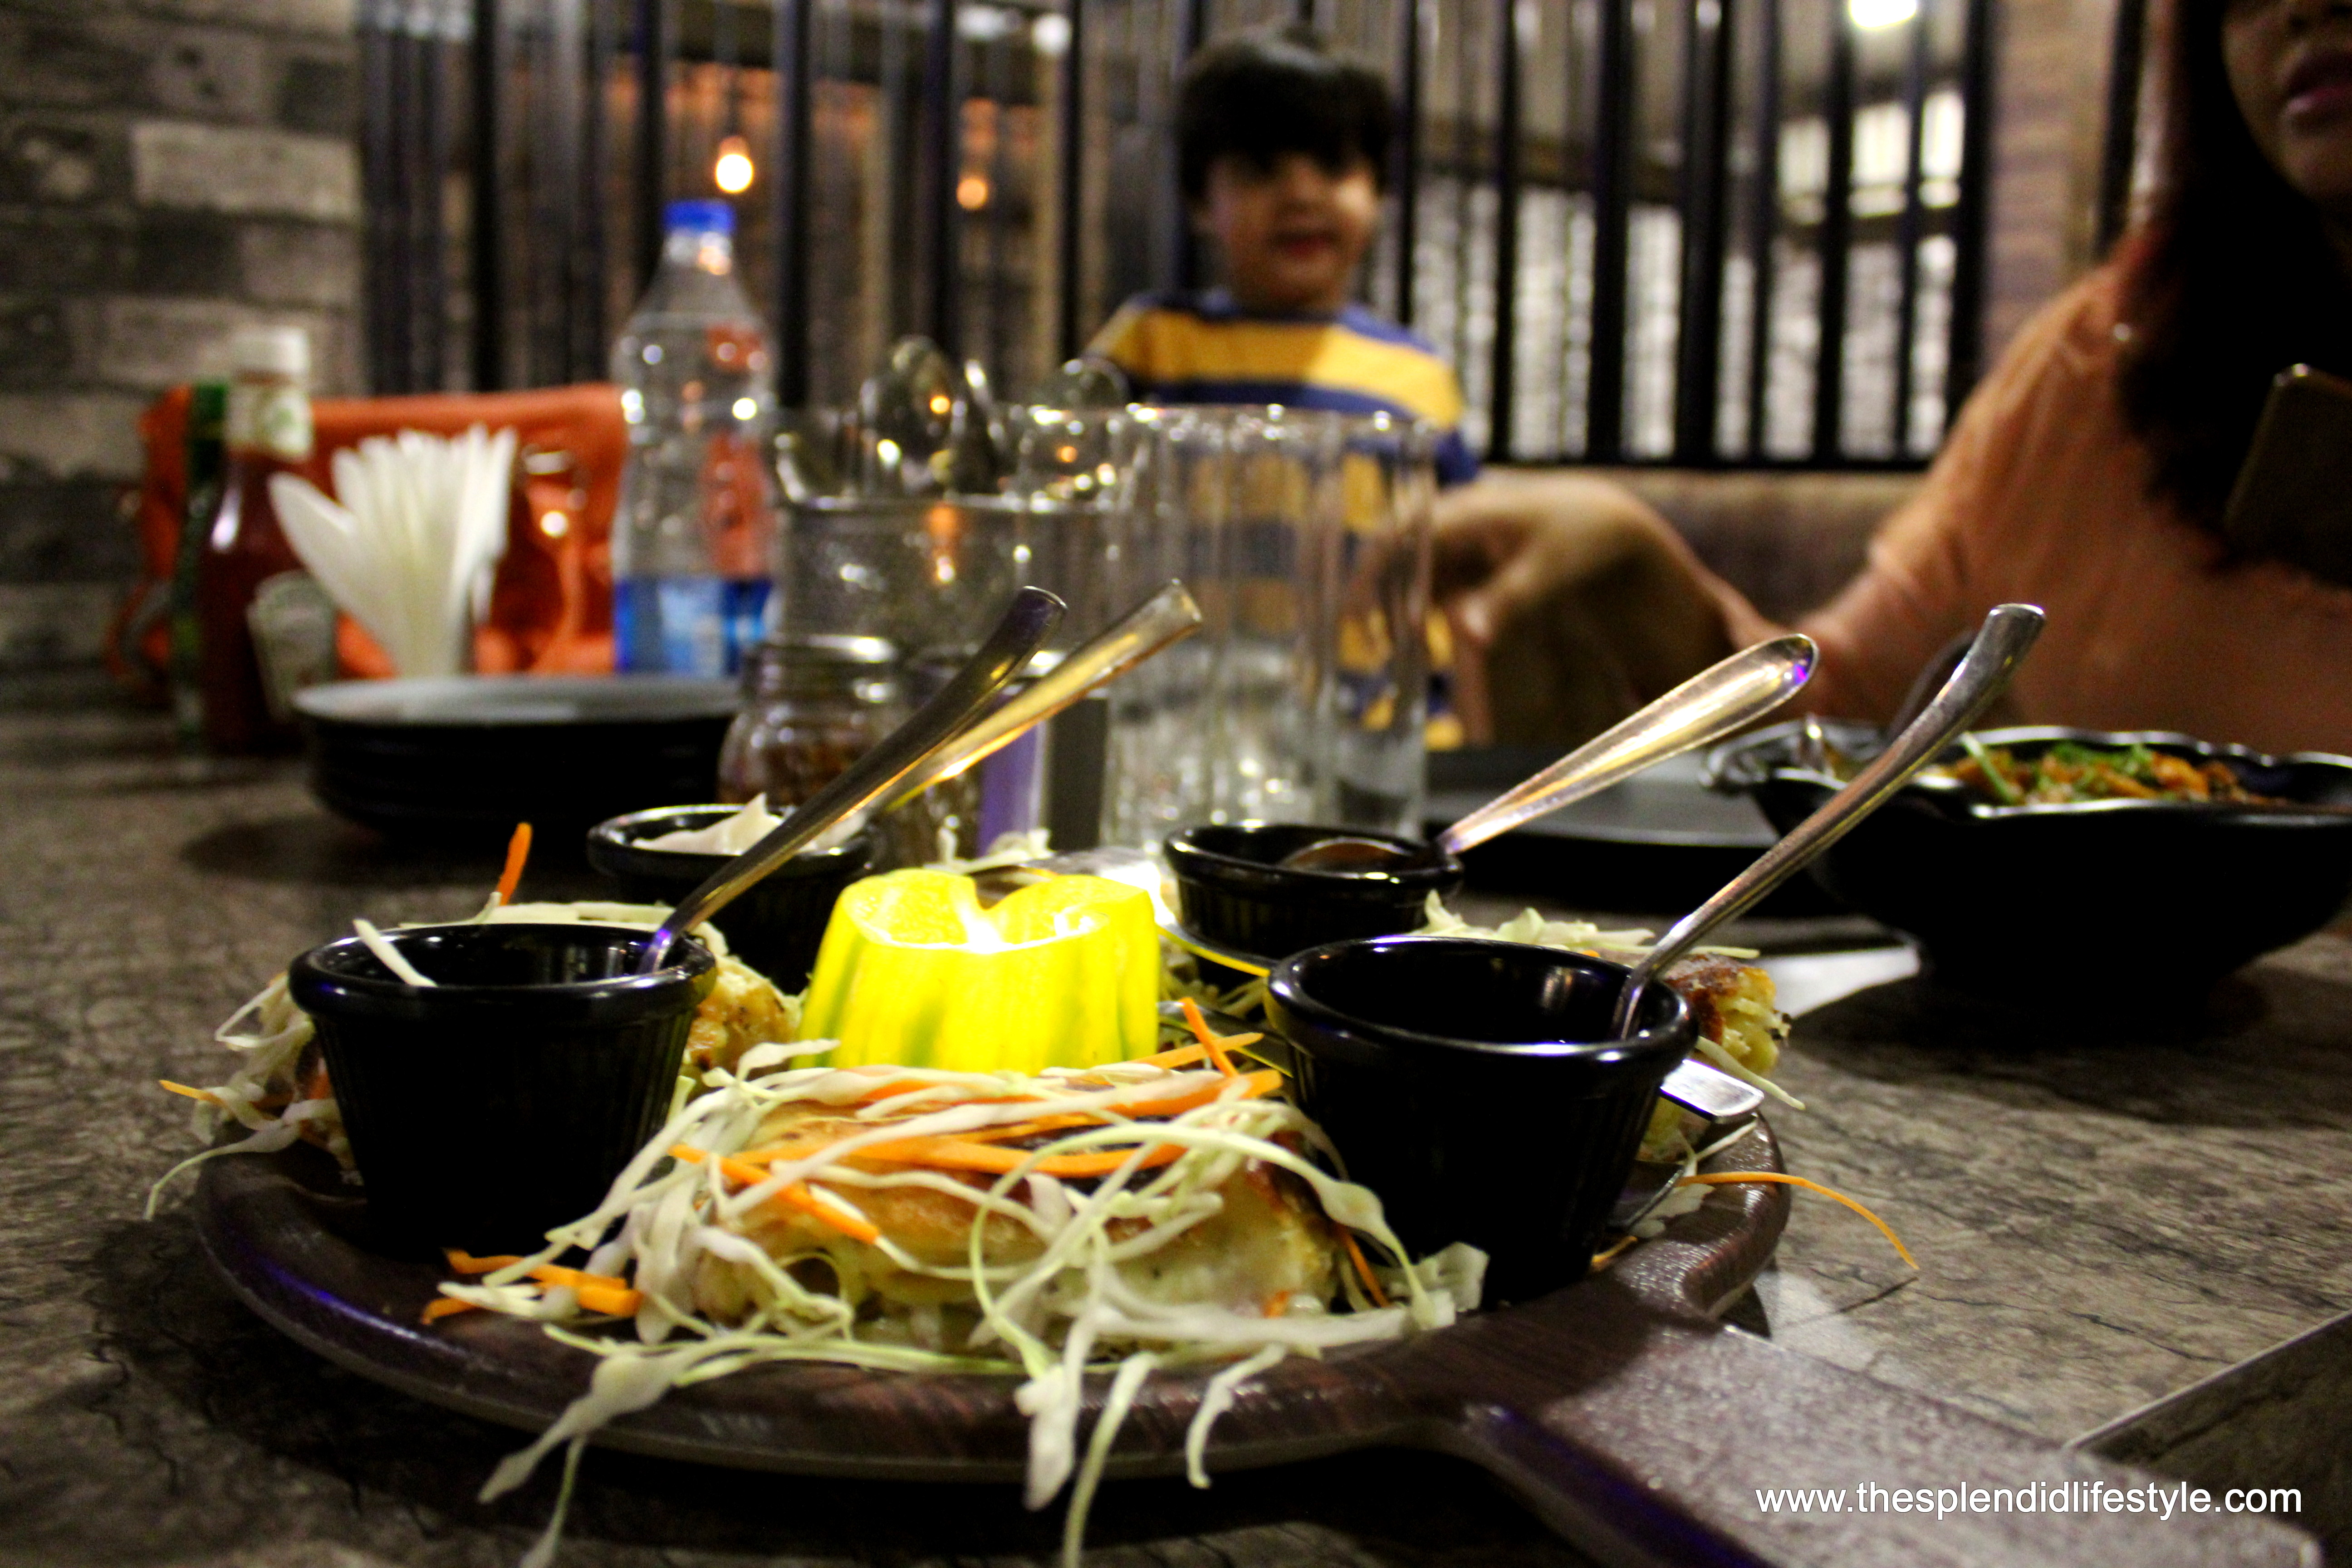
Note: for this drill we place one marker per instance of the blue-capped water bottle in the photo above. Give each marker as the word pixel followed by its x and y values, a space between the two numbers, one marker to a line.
pixel 691 541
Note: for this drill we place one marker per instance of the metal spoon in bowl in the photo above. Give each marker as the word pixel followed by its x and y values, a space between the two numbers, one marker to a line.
pixel 1981 677
pixel 936 727
pixel 1706 708
pixel 1168 616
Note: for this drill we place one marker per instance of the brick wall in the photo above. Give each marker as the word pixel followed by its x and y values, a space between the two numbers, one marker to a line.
pixel 169 170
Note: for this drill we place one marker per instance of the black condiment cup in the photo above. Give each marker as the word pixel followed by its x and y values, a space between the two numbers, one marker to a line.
pixel 1232 892
pixel 1472 1084
pixel 776 924
pixel 504 1099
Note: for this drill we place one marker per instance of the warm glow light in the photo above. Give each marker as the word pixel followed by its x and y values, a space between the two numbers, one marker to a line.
pixel 972 192
pixel 732 172
pixel 1880 13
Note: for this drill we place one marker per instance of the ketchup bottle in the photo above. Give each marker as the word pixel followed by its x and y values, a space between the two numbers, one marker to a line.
pixel 244 555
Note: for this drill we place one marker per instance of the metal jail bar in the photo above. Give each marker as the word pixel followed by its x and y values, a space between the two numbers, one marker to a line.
pixel 1708 232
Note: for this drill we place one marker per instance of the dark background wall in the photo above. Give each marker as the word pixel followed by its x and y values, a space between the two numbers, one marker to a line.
pixel 172 169
pixel 169 171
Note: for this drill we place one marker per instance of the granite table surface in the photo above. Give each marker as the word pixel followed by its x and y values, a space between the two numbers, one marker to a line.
pixel 2104 1214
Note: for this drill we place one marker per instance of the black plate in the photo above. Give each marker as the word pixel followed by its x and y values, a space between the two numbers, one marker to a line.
pixel 2055 900
pixel 464 758
pixel 295 1242
pixel 1660 843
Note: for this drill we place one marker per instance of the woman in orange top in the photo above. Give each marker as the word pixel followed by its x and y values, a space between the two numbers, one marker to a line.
pixel 2088 474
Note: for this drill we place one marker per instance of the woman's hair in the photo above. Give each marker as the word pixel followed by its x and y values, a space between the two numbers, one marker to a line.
pixel 2230 281
pixel 1261 95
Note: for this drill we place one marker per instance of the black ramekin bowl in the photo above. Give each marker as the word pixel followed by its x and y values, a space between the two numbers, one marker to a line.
pixel 2028 902
pixel 1472 1084
pixel 1231 889
pixel 775 926
pixel 504 1099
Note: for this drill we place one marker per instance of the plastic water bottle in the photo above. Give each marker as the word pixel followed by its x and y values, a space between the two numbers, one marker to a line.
pixel 691 541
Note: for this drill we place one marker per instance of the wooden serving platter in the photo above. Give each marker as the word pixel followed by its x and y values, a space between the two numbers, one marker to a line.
pixel 1630 1420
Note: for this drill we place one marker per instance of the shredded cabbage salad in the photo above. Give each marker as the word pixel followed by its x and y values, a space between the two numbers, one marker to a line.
pixel 681 1281
pixel 1077 1291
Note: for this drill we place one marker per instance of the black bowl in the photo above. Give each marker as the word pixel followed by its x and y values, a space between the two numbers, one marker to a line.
pixel 462 759
pixel 2144 902
pixel 1473 1086
pixel 1230 889
pixel 502 1100
pixel 775 927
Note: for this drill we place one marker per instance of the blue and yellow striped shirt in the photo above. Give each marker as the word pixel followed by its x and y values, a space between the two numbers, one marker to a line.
pixel 1203 348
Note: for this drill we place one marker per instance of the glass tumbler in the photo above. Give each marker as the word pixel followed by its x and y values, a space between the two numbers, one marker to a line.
pixel 1305 538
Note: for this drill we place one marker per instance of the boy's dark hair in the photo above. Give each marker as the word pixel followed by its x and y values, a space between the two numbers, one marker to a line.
pixel 1262 94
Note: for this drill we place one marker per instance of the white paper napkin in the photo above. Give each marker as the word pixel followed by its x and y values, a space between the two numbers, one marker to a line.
pixel 408 544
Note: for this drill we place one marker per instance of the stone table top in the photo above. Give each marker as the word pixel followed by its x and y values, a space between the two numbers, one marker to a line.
pixel 2103 1216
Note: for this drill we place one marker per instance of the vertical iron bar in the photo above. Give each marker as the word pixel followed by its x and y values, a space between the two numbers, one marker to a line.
pixel 382 138
pixel 1910 230
pixel 1834 241
pixel 423 150
pixel 1404 177
pixel 564 54
pixel 1706 126
pixel 1969 218
pixel 1612 159
pixel 434 47
pixel 901 171
pixel 655 44
pixel 1764 219
pixel 595 141
pixel 1069 193
pixel 488 231
pixel 1193 21
pixel 942 156
pixel 2119 150
pixel 998 53
pixel 795 110
pixel 1500 378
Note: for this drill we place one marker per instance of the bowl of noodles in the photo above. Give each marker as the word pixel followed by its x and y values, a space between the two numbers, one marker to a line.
pixel 2031 856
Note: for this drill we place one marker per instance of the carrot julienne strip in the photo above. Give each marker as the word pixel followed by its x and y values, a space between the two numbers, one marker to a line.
pixel 1608 1254
pixel 799 1195
pixel 1174 1057
pixel 579 1279
pixel 1727 1178
pixel 622 1303
pixel 1216 1044
pixel 466 1263
pixel 207 1096
pixel 444 1306
pixel 1363 1267
pixel 518 851
pixel 963 1154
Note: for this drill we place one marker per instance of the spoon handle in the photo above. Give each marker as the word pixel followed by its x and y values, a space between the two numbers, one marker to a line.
pixel 1982 676
pixel 1707 707
pixel 1167 617
pixel 1024 629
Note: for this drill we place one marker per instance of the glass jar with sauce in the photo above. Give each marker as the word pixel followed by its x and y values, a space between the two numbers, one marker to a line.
pixel 812 705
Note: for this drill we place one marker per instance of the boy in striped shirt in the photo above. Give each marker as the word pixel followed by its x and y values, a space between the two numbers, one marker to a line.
pixel 1282 146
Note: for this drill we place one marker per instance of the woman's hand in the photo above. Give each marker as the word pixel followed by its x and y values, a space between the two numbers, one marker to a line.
pixel 1570 603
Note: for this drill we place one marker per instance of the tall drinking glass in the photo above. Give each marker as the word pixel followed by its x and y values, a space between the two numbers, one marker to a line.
pixel 1303 536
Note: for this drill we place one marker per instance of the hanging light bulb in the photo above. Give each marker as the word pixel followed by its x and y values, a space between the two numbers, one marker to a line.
pixel 1874 14
pixel 732 172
